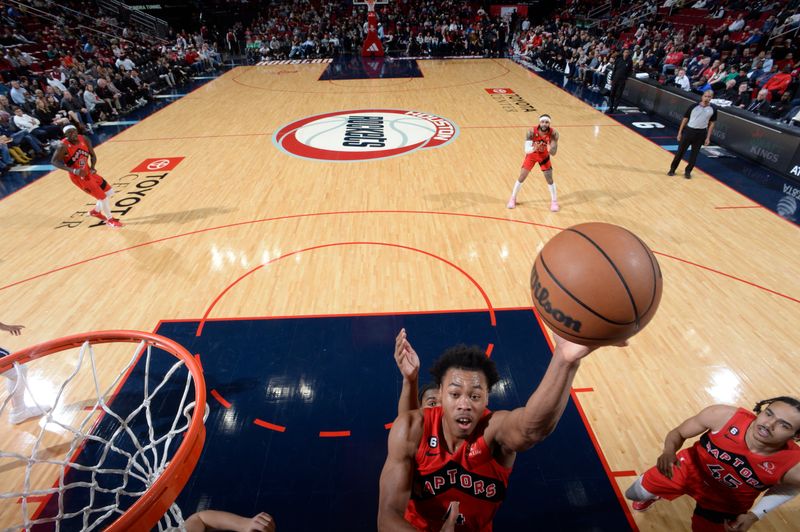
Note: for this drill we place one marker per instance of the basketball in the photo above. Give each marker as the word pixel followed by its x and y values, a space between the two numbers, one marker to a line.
pixel 596 284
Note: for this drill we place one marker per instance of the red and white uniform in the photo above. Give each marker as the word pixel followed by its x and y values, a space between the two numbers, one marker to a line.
pixel 77 157
pixel 541 141
pixel 720 472
pixel 470 476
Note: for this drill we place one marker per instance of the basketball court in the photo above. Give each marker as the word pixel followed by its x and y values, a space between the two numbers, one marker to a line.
pixel 283 228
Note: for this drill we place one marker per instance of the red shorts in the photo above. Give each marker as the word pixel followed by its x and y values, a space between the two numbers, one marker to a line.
pixel 541 157
pixel 92 184
pixel 688 480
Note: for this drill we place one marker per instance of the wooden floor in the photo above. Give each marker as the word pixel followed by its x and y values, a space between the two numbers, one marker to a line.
pixel 726 330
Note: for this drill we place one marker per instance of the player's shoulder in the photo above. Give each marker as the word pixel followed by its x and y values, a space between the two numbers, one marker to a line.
pixel 716 416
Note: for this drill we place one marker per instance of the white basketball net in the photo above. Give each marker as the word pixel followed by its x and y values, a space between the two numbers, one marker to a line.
pixel 143 458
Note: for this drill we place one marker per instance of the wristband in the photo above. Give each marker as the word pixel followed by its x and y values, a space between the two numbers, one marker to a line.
pixel 774 497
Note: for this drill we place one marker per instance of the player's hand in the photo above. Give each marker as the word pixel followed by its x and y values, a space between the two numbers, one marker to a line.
pixel 452 518
pixel 263 522
pixel 405 357
pixel 573 352
pixel 666 462
pixel 15 330
pixel 679 136
pixel 707 142
pixel 741 523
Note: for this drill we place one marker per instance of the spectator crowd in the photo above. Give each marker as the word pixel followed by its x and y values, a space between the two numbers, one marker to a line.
pixel 744 51
pixel 59 66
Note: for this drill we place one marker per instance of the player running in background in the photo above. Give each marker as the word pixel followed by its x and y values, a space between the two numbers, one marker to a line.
pixel 76 155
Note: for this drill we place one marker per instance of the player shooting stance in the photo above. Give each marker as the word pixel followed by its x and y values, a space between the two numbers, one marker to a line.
pixel 72 155
pixel 541 143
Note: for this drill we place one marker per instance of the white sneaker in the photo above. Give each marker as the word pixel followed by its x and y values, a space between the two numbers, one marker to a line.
pixel 15 417
pixel 512 202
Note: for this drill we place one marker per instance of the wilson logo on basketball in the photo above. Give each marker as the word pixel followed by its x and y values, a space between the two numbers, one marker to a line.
pixel 542 296
pixel 364 135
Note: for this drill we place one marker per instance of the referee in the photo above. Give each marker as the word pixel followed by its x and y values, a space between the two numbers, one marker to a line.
pixel 695 131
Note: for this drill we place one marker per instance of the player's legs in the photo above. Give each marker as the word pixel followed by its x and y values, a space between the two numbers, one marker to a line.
pixel 641 497
pixel 15 386
pixel 547 171
pixel 101 191
pixel 527 165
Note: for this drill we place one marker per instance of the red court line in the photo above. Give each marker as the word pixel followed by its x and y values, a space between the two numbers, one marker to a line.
pixel 626 510
pixel 528 126
pixel 34 499
pixel 334 434
pixel 728 276
pixel 345 314
pixel 743 207
pixel 580 390
pixel 195 137
pixel 199 362
pixel 382 211
pixel 215 394
pixel 629 473
pixel 489 350
pixel 387 426
pixel 492 316
pixel 268 425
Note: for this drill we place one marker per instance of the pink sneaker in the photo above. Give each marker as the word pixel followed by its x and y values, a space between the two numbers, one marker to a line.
pixel 512 203
pixel 96 214
pixel 642 506
pixel 113 222
pixel 554 206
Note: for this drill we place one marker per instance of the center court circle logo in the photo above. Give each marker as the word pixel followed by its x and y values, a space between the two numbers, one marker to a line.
pixel 364 134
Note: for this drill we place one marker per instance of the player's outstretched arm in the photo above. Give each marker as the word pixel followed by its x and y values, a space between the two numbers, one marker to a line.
pixel 214 520
pixel 710 418
pixel 522 428
pixel 408 363
pixel 398 472
pixel 15 330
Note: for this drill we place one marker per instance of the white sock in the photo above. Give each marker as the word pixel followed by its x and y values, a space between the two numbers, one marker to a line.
pixel 104 207
pixel 636 492
pixel 16 387
pixel 517 186
pixel 552 192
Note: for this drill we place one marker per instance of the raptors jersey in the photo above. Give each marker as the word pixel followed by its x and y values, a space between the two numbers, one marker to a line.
pixel 470 476
pixel 732 471
pixel 77 155
pixel 542 137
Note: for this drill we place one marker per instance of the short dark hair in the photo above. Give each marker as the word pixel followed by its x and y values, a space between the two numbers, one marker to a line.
pixel 428 386
pixel 791 401
pixel 471 358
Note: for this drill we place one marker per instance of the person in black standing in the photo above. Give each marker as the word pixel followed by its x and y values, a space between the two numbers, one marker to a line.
pixel 695 131
pixel 623 67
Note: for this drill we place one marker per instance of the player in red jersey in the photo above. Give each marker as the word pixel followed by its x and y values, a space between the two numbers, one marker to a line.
pixel 541 143
pixel 739 455
pixel 76 155
pixel 447 467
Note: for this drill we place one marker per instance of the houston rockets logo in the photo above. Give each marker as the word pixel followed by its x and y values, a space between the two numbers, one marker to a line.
pixel 364 134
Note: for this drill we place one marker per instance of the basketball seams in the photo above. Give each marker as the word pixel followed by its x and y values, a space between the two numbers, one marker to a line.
pixel 578 301
pixel 656 272
pixel 619 274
